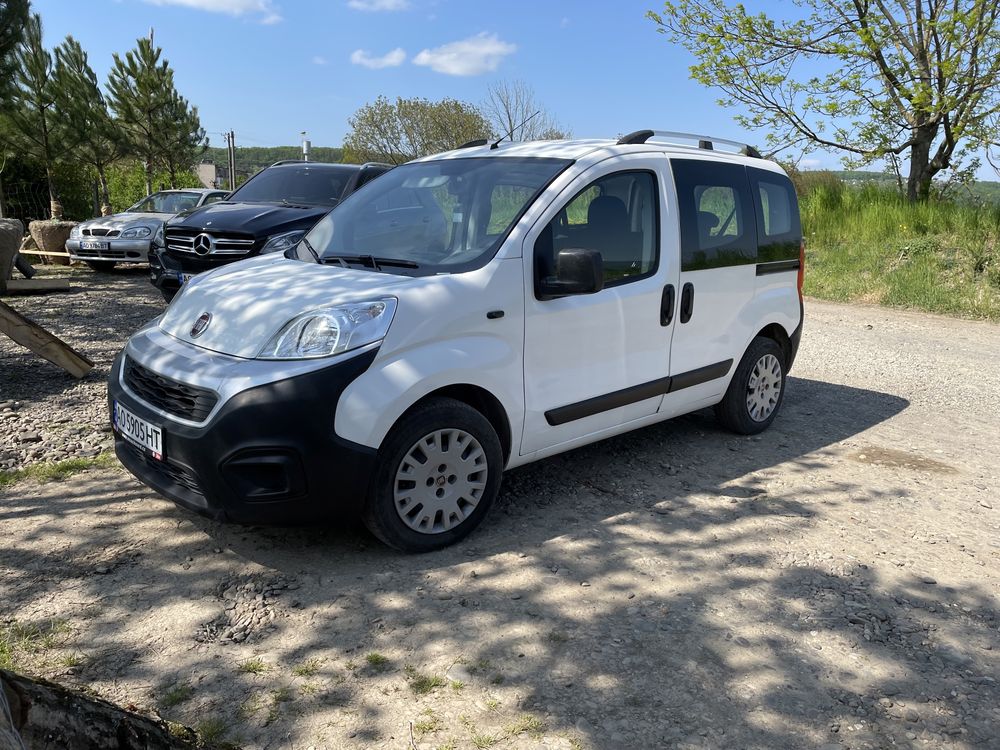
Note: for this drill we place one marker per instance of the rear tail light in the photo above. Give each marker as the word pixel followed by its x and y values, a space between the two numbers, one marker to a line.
pixel 802 265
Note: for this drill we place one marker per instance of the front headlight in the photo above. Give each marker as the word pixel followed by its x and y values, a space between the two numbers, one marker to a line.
pixel 136 233
pixel 74 233
pixel 331 330
pixel 158 237
pixel 281 242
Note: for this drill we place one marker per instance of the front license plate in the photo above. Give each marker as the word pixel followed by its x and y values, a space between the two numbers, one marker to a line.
pixel 184 277
pixel 93 245
pixel 138 431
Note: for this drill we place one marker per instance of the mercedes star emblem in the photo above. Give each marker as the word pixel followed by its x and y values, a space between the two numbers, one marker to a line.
pixel 203 244
pixel 201 324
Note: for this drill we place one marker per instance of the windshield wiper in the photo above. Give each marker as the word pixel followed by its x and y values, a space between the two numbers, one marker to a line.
pixel 369 261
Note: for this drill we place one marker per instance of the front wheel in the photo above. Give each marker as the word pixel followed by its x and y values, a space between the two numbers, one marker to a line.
pixel 438 473
pixel 755 393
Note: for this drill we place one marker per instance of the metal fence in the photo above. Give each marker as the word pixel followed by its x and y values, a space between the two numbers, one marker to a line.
pixel 26 201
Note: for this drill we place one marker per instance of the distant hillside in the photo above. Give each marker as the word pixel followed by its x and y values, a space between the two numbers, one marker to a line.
pixel 983 190
pixel 250 159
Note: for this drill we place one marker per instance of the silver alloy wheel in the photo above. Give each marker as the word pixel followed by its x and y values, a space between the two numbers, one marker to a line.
pixel 440 481
pixel 764 388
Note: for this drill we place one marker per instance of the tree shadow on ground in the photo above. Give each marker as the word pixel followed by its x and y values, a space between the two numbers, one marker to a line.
pixel 651 590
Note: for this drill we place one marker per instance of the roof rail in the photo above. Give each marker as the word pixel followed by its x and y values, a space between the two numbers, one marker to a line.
pixel 473 144
pixel 705 142
pixel 288 161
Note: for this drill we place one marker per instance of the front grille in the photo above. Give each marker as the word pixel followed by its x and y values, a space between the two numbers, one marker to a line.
pixel 101 232
pixel 229 243
pixel 179 399
pixel 168 470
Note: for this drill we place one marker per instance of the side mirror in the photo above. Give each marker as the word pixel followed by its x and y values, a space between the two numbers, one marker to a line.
pixel 578 271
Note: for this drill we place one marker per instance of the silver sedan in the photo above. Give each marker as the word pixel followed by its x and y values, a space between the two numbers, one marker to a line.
pixel 125 238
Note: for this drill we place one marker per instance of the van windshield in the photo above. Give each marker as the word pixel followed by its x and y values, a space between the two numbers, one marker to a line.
pixel 433 217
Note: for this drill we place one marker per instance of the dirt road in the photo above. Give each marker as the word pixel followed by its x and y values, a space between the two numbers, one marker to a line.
pixel 832 583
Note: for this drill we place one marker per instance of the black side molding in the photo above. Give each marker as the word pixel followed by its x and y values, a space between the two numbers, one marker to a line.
pixel 636 393
pixel 777 266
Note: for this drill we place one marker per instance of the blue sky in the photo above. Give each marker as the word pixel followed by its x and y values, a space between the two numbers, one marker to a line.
pixel 268 69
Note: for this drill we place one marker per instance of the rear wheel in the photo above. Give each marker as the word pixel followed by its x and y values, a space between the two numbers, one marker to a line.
pixel 101 265
pixel 755 393
pixel 438 473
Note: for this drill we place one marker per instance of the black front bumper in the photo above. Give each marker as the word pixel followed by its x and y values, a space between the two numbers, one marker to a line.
pixel 269 455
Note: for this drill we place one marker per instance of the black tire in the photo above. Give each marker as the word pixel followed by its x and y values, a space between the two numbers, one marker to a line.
pixel 168 294
pixel 380 514
pixel 103 266
pixel 733 411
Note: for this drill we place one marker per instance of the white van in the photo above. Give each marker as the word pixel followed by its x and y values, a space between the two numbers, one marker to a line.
pixel 463 314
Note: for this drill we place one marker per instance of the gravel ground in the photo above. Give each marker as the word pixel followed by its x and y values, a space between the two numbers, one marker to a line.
pixel 832 583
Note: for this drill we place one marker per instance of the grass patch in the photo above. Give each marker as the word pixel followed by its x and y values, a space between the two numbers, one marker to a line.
pixel 870 245
pixel 457 685
pixel 430 723
pixel 256 665
pixel 308 688
pixel 307 668
pixel 211 729
pixel 176 695
pixel 72 660
pixel 483 741
pixel 377 661
pixel 18 640
pixel 54 471
pixel 421 684
pixel 526 724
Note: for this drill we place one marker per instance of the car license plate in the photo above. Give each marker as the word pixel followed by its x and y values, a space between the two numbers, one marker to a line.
pixel 93 245
pixel 138 431
pixel 185 277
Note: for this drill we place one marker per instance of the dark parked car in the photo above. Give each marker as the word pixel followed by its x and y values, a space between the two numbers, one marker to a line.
pixel 269 213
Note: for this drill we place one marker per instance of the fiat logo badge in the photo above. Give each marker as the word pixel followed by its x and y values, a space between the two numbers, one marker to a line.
pixel 201 324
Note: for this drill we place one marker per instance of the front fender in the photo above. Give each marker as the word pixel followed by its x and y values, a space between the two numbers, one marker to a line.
pixel 372 404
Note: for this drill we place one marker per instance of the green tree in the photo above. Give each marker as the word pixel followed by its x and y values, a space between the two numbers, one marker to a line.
pixel 406 129
pixel 884 79
pixel 32 128
pixel 182 140
pixel 81 107
pixel 143 98
pixel 13 18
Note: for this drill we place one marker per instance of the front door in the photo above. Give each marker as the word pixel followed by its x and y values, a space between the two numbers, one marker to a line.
pixel 592 362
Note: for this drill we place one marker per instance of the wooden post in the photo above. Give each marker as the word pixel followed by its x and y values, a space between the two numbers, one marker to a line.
pixel 31 335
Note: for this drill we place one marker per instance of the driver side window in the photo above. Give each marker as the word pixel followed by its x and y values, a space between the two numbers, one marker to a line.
pixel 617 216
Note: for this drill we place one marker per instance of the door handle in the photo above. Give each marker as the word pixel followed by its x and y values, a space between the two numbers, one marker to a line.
pixel 687 302
pixel 667 305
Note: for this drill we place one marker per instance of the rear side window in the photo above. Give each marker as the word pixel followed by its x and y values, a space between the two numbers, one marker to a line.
pixel 616 215
pixel 716 214
pixel 779 231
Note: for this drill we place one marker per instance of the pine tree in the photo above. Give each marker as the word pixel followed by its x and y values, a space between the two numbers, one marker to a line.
pixel 142 96
pixel 13 18
pixel 32 127
pixel 81 107
pixel 183 138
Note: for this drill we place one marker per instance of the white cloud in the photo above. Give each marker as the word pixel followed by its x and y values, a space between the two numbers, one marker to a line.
pixel 377 5
pixel 389 60
pixel 469 57
pixel 319 60
pixel 230 7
